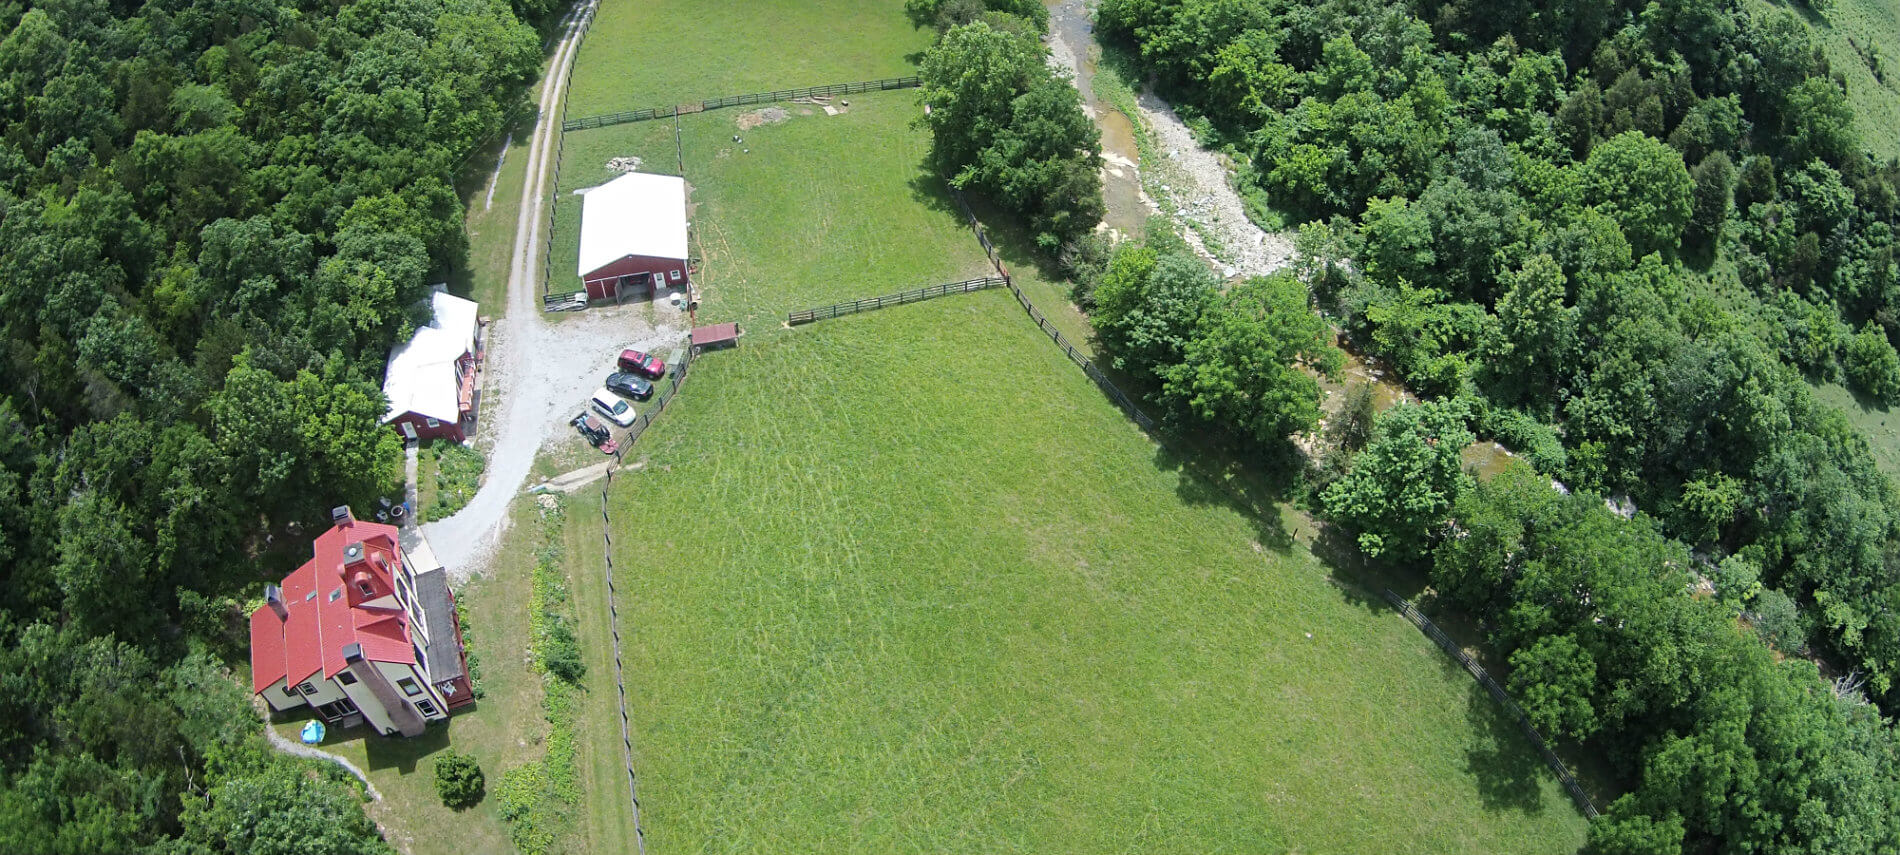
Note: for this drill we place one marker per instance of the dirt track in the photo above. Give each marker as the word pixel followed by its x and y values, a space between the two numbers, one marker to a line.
pixel 541 372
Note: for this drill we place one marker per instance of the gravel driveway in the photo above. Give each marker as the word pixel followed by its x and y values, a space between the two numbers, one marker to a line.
pixel 539 374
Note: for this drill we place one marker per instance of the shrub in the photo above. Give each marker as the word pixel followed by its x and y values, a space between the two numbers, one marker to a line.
pixel 1872 366
pixel 458 779
pixel 561 654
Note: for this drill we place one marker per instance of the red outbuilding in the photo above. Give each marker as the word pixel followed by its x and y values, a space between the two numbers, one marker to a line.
pixel 633 236
pixel 430 381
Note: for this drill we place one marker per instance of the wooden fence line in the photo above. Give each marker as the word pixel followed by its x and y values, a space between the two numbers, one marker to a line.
pixel 806 316
pixel 1101 379
pixel 1498 694
pixel 675 111
pixel 613 607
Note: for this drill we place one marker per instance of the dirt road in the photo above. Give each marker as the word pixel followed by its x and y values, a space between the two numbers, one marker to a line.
pixel 542 373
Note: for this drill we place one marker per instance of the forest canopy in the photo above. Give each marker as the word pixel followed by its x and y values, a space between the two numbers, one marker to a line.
pixel 215 219
pixel 1624 237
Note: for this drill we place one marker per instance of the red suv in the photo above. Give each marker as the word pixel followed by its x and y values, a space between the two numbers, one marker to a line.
pixel 641 362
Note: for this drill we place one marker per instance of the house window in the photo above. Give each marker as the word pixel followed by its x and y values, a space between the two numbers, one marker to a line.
pixel 425 707
pixel 409 686
pixel 676 276
pixel 307 689
pixel 291 693
pixel 346 678
pixel 433 422
pixel 366 589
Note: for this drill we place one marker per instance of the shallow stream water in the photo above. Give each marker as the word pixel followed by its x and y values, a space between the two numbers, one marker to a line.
pixel 1073 43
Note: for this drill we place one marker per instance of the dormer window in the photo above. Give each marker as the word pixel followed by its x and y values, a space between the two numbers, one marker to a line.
pixel 364 586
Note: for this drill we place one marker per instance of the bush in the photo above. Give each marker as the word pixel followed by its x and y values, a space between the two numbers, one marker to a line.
pixel 458 779
pixel 561 654
pixel 1872 366
pixel 1779 621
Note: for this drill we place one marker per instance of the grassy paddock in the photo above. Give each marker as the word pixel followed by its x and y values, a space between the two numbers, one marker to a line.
pixel 907 581
pixel 899 607
pixel 791 223
pixel 656 53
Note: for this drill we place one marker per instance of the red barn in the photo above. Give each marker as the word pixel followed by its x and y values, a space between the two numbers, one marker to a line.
pixel 633 236
pixel 363 632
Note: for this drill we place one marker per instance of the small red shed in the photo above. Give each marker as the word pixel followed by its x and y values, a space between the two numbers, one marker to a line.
pixel 633 236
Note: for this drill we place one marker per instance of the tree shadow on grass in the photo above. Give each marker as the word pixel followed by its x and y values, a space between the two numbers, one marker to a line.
pixel 1364 580
pixel 403 753
pixel 1509 772
pixel 1204 479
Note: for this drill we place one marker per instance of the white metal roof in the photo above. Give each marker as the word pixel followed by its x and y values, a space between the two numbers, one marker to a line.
pixel 635 214
pixel 421 377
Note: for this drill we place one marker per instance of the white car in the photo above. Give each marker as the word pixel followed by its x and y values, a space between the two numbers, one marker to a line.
pixel 613 407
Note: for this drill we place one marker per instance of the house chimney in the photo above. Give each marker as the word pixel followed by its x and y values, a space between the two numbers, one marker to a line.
pixel 274 597
pixel 341 515
pixel 355 554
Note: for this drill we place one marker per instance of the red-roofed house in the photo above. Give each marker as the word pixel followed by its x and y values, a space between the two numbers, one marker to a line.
pixel 363 632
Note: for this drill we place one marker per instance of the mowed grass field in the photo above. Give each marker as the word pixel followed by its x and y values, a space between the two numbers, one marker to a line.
pixel 906 581
pixel 655 53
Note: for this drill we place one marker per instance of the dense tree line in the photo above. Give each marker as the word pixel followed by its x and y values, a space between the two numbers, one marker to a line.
pixel 215 218
pixel 1004 124
pixel 1624 237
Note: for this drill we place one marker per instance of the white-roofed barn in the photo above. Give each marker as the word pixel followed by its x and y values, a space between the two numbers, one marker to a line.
pixel 431 378
pixel 633 236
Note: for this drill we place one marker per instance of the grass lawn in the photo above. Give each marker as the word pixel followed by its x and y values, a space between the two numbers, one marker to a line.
pixel 1852 32
pixel 503 730
pixel 605 813
pixel 907 581
pixel 655 53
pixel 1880 425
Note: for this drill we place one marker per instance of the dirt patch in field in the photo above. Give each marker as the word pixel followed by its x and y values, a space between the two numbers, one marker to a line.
pixel 763 116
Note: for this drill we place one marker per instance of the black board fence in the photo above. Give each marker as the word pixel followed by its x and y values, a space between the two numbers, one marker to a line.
pixel 660 400
pixel 1498 694
pixel 674 111
pixel 1088 367
pixel 806 316
pixel 640 424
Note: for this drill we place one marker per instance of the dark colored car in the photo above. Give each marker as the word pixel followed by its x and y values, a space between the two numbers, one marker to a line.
pixel 643 363
pixel 628 385
pixel 596 433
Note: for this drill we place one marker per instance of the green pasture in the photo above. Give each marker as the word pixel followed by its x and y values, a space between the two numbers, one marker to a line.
pixel 1880 425
pixel 657 53
pixel 821 209
pixel 907 581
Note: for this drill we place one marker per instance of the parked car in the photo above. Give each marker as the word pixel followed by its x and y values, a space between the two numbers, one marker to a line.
pixel 629 385
pixel 596 433
pixel 613 407
pixel 641 362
